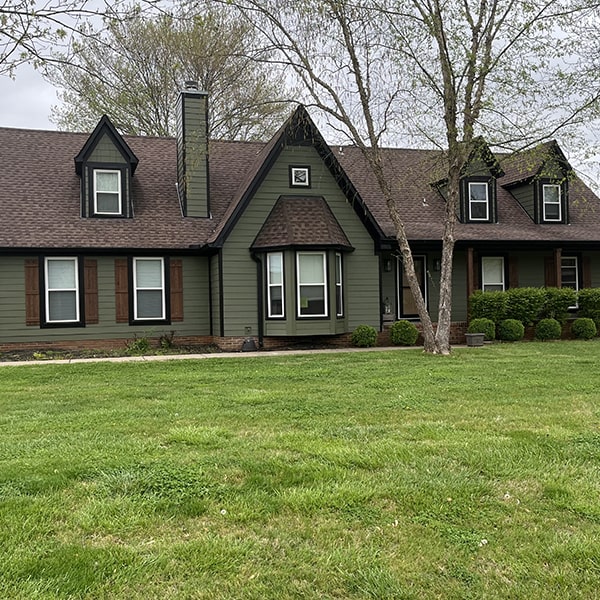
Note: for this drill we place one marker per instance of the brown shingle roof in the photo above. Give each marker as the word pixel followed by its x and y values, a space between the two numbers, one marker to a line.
pixel 40 196
pixel 297 222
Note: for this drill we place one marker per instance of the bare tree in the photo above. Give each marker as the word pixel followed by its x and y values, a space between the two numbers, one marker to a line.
pixel 32 30
pixel 443 72
pixel 134 69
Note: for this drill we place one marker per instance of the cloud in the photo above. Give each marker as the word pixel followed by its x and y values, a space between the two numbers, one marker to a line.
pixel 25 101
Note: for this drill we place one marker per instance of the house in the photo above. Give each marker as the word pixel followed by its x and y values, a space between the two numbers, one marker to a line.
pixel 106 237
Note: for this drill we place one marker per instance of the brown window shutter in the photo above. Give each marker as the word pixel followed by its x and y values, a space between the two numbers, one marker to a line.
pixel 513 272
pixel 586 272
pixel 549 272
pixel 90 287
pixel 121 291
pixel 176 283
pixel 32 291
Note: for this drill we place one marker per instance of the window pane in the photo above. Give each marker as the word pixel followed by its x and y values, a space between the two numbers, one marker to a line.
pixel 276 302
pixel 311 268
pixel 107 181
pixel 148 274
pixel 107 203
pixel 493 270
pixel 478 191
pixel 275 268
pixel 479 210
pixel 149 304
pixel 61 274
pixel 62 306
pixel 312 300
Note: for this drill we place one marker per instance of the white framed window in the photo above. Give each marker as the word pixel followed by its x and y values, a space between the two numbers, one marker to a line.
pixel 149 289
pixel 339 287
pixel 275 291
pixel 479 205
pixel 569 272
pixel 552 202
pixel 312 284
pixel 300 177
pixel 107 192
pixel 492 274
pixel 62 290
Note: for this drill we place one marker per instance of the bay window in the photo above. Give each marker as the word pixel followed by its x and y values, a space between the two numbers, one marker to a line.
pixel 311 284
pixel 275 290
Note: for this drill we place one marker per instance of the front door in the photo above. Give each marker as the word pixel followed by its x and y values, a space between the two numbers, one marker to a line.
pixel 406 301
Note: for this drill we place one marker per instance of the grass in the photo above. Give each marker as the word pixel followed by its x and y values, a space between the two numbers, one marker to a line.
pixel 353 475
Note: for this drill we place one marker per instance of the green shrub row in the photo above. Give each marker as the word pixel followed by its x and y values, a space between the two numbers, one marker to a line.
pixel 531 305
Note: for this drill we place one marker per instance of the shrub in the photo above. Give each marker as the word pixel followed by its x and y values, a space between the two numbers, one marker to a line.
pixel 364 336
pixel 483 325
pixel 524 304
pixel 548 329
pixel 138 345
pixel 557 302
pixel 511 330
pixel 488 305
pixel 584 328
pixel 404 333
pixel 589 304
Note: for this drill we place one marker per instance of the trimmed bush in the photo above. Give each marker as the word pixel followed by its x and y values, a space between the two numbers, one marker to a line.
pixel 404 333
pixel 557 302
pixel 548 329
pixel 510 330
pixel 584 328
pixel 488 305
pixel 364 336
pixel 524 304
pixel 589 304
pixel 483 325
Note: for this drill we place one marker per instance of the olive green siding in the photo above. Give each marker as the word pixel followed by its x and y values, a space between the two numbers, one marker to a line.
pixel 192 153
pixel 12 306
pixel 106 152
pixel 525 195
pixel 240 274
pixel 215 272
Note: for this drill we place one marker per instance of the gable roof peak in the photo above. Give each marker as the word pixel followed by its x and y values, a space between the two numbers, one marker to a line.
pixel 105 125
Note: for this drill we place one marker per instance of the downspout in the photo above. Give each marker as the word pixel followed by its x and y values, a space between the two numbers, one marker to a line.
pixel 260 297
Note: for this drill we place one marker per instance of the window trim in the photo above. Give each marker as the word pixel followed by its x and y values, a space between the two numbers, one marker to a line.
pixel 545 203
pixel 95 191
pixel 323 284
pixel 503 271
pixel 339 285
pixel 78 289
pixel 292 180
pixel 270 286
pixel 471 201
pixel 164 290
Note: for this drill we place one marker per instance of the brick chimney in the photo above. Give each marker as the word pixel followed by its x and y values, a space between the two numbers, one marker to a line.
pixel 192 151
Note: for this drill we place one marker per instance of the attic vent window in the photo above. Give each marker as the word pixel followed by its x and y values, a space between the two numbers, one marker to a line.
pixel 300 177
pixel 107 192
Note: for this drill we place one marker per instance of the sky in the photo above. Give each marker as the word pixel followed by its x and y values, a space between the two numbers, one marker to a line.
pixel 25 101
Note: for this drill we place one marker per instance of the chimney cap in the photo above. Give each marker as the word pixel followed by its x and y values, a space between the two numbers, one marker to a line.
pixel 191 84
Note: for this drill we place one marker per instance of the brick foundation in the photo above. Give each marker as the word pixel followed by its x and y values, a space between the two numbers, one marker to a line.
pixel 226 344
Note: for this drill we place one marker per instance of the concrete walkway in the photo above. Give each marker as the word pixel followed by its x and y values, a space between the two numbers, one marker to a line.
pixel 165 357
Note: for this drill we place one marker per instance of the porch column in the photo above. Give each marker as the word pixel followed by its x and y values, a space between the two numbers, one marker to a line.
pixel 470 271
pixel 557 266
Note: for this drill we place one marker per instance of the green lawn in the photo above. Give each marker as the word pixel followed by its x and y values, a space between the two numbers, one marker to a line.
pixel 353 475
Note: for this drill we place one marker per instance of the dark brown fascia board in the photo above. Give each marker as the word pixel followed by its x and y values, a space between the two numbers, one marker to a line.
pixel 80 251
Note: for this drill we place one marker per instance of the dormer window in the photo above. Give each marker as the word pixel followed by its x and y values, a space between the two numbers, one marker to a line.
pixel 479 204
pixel 106 166
pixel 478 200
pixel 107 192
pixel 551 199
